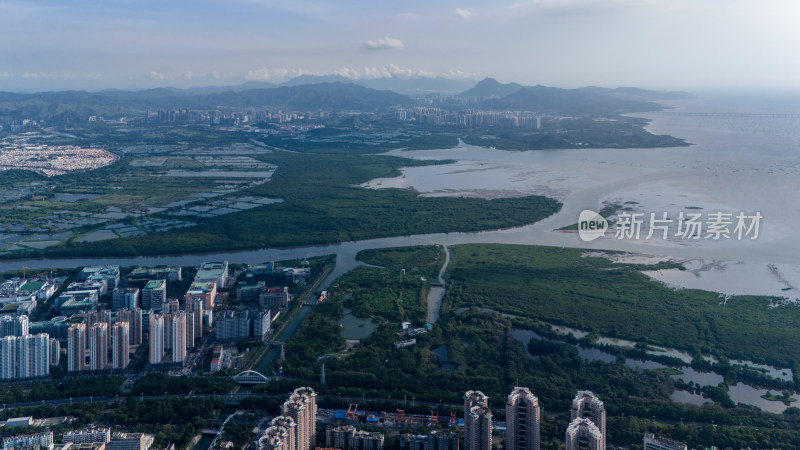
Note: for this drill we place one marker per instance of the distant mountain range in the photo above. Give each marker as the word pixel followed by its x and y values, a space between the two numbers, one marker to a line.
pixel 310 93
pixel 494 95
pixel 406 86
pixel 78 105
pixel 550 100
pixel 632 93
pixel 489 87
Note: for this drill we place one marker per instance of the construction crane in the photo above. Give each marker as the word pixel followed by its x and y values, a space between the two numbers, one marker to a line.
pixel 24 269
pixel 45 273
pixel 352 411
pixel 400 417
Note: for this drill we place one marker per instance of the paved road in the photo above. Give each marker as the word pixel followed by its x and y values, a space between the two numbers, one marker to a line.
pixel 265 356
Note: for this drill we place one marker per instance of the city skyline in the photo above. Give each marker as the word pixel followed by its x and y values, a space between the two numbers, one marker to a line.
pixel 565 43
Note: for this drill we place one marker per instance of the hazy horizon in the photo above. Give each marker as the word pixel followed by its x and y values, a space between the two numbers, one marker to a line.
pixel 655 44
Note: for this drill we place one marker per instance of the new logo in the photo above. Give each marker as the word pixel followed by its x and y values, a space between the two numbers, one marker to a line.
pixel 591 225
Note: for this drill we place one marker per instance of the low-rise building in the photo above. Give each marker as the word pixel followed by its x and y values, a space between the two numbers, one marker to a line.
pixel 219 359
pixel 436 440
pixel 42 289
pixel 296 275
pixel 25 289
pixel 213 271
pixel 348 437
pixel 274 298
pixel 402 344
pixel 250 290
pixel 76 302
pixel 87 436
pixel 56 327
pixel 20 308
pixel 130 441
pixel 99 285
pixel 202 290
pixel 108 273
pixel 653 442
pixel 19 422
pixel 171 274
pixel 25 441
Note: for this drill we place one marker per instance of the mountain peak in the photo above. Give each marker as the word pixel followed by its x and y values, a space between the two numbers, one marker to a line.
pixel 489 87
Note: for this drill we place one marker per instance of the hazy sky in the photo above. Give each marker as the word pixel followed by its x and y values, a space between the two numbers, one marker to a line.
pixel 687 44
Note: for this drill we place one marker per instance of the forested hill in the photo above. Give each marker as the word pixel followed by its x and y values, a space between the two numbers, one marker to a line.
pixel 552 100
pixel 81 104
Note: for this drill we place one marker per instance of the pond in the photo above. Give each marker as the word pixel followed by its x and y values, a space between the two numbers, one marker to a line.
pixel 614 341
pixel 742 393
pixel 699 378
pixel 579 334
pixel 688 398
pixel 355 328
pixel 683 356
pixel 643 364
pixel 444 360
pixel 524 336
pixel 595 354
pixel 781 374
pixel 587 353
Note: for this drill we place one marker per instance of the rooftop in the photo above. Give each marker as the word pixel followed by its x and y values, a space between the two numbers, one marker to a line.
pixel 32 286
pixel 209 271
pixel 203 286
pixel 155 284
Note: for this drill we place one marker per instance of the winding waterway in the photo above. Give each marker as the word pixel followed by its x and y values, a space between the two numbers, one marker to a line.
pixel 436 294
pixel 736 163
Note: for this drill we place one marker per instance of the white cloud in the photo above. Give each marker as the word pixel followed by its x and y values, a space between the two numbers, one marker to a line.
pixel 384 44
pixel 367 73
pixel 395 71
pixel 188 75
pixel 376 72
pixel 348 73
pixel 215 75
pixel 5 75
pixel 54 76
pixel 157 76
pixel 459 75
pixel 463 13
pixel 275 74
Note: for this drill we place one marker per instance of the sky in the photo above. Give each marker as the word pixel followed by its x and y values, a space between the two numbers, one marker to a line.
pixel 660 44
